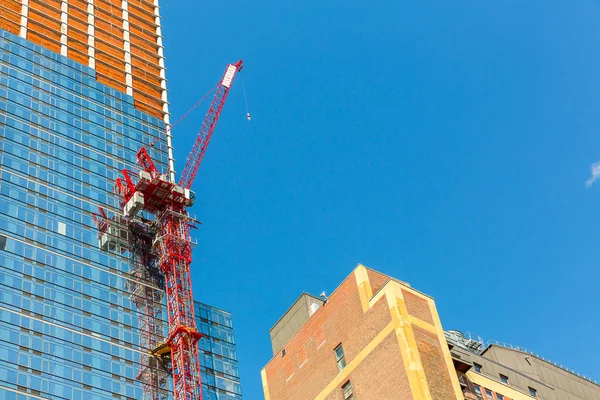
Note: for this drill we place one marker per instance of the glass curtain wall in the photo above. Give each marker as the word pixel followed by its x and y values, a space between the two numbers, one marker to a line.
pixel 67 324
pixel 219 362
pixel 68 329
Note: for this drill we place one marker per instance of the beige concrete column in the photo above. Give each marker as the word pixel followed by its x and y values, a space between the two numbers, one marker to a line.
pixel 91 35
pixel 64 15
pixel 163 85
pixel 127 48
pixel 24 13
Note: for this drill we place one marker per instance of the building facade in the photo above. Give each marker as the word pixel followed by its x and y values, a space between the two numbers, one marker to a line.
pixel 120 39
pixel 373 338
pixel 219 362
pixel 73 113
pixel 69 327
pixel 503 372
pixel 377 338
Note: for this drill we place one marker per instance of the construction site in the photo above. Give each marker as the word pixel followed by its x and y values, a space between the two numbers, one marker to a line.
pixel 101 272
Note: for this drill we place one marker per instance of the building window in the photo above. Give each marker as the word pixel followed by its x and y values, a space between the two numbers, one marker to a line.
pixel 533 392
pixel 61 228
pixel 504 379
pixel 489 395
pixel 2 242
pixel 347 388
pixel 499 397
pixel 339 358
pixel 477 367
pixel 478 392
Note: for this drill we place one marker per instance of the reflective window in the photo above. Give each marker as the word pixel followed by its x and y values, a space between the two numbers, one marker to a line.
pixel 339 357
pixel 478 392
pixel 68 327
pixel 347 390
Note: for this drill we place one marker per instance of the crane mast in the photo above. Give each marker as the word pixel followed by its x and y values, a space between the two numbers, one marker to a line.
pixel 162 255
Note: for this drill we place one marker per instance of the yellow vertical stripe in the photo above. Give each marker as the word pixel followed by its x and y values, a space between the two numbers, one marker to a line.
pixel 263 376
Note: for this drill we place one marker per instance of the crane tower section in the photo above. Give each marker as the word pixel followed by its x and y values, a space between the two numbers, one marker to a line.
pixel 164 248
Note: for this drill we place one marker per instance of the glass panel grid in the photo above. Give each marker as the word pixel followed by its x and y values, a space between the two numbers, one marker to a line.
pixel 68 329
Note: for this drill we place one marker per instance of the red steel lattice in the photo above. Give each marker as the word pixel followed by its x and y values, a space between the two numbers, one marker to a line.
pixel 169 252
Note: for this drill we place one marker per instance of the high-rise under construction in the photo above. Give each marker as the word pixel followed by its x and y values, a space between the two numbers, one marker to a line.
pixel 82 88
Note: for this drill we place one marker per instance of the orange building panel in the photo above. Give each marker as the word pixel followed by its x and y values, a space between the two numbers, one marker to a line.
pixel 110 45
pixel 75 53
pixel 114 3
pixel 12 5
pixel 146 87
pixel 80 4
pixel 115 66
pixel 39 37
pixel 105 80
pixel 144 107
pixel 78 11
pixel 145 46
pixel 106 10
pixel 78 24
pixel 147 6
pixel 9 25
pixel 109 27
pixel 77 31
pixel 144 59
pixel 10 15
pixel 146 70
pixel 142 17
pixel 41 29
pixel 46 8
pixel 149 57
pixel 44 28
pixel 108 19
pixel 145 25
pixel 143 33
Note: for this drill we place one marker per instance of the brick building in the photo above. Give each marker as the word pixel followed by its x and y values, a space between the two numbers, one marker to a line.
pixel 374 338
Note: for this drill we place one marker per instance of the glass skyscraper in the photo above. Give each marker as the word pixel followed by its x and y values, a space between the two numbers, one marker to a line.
pixel 220 374
pixel 68 328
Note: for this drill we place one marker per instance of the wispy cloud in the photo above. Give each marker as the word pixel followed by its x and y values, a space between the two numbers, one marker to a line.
pixel 595 174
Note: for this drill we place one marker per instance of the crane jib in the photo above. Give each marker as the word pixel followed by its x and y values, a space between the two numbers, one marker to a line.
pixel 229 75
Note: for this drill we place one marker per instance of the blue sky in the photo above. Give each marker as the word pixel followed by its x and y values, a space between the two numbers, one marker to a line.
pixel 444 143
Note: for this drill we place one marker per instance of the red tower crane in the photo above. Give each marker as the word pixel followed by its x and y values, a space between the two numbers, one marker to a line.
pixel 162 251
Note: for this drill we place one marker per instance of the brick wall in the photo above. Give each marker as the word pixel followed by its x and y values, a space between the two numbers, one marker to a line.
pixel 432 358
pixel 372 345
pixel 340 320
pixel 417 306
pixel 377 280
pixel 381 375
